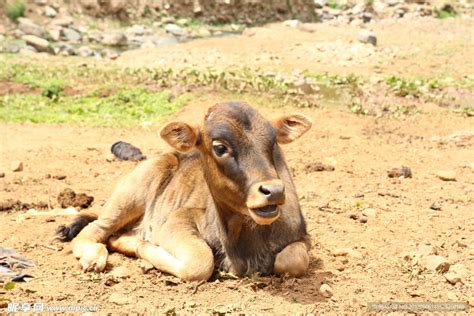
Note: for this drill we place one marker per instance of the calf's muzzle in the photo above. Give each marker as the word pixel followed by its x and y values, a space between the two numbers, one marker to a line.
pixel 263 199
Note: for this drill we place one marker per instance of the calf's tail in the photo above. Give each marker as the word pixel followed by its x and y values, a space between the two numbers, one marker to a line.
pixel 68 232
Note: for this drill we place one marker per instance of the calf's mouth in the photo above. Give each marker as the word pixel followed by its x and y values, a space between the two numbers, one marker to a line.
pixel 268 211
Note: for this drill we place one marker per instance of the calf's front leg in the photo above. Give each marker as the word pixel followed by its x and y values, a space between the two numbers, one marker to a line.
pixel 293 260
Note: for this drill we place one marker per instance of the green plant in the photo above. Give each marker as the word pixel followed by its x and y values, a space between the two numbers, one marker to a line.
pixel 15 9
pixel 447 11
pixel 53 90
pixel 334 4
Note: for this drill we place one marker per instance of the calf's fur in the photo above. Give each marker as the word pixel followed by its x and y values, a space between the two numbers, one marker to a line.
pixel 223 198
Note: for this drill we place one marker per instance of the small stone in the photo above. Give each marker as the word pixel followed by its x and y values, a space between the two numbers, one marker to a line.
pixel 366 36
pixel 50 12
pixel 16 166
pixel 55 34
pixel 71 35
pixel 2 174
pixel 457 273
pixel 110 158
pixel 319 4
pixel 354 216
pixel 60 177
pixel 435 263
pixel 370 212
pixel 85 51
pixel 121 299
pixel 347 252
pixel 292 23
pixel 435 207
pixel 31 28
pixel 63 21
pixel 325 291
pixel 404 172
pixel 146 266
pixel 114 39
pixel 121 272
pixel 446 175
pixel 175 29
pixel 40 44
pixel 363 219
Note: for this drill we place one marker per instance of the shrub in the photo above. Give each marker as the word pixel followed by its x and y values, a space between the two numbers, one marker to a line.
pixel 15 9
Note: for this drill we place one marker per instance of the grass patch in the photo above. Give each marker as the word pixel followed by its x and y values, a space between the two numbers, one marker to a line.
pixel 127 107
pixel 15 9
pixel 447 11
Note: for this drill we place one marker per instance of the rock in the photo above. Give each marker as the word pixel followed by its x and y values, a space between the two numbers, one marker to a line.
pixel 55 33
pixel 325 290
pixel 30 28
pixel 121 272
pixel 457 273
pixel 446 175
pixel 50 12
pixel 370 212
pixel 85 51
pixel 363 219
pixel 121 299
pixel 174 29
pixel 71 35
pixel 65 50
pixel 347 252
pixel 16 166
pixel 292 23
pixel 63 21
pixel 146 266
pixel 60 177
pixel 435 263
pixel 41 2
pixel 366 36
pixel 204 32
pixel 40 44
pixel 435 207
pixel 2 174
pixel 126 151
pixel 114 39
pixel 136 29
pixel 404 172
pixel 319 4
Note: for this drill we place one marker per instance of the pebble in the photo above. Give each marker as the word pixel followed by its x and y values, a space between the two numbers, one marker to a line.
pixel 121 299
pixel 370 212
pixel 146 266
pixel 366 36
pixel 2 174
pixel 39 43
pixel 435 207
pixel 16 166
pixel 325 290
pixel 457 272
pixel 50 12
pixel 435 263
pixel 121 272
pixel 363 219
pixel 347 252
pixel 446 175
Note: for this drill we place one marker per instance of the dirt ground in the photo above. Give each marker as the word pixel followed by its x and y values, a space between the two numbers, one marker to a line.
pixel 361 148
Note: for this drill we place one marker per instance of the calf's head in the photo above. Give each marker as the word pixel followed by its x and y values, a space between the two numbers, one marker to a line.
pixel 242 160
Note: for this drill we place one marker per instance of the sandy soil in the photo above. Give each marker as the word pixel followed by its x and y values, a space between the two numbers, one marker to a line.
pixel 361 148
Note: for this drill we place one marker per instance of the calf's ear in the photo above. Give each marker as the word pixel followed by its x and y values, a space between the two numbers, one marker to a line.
pixel 291 127
pixel 180 136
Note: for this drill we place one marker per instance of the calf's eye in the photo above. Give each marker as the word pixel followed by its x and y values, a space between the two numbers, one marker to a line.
pixel 219 149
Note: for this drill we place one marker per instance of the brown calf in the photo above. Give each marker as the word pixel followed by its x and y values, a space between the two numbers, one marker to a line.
pixel 224 198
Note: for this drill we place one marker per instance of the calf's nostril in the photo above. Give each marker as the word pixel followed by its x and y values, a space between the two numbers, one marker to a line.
pixel 263 189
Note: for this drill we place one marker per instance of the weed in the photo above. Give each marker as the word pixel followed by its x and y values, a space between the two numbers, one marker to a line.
pixel 53 90
pixel 334 4
pixel 15 9
pixel 447 11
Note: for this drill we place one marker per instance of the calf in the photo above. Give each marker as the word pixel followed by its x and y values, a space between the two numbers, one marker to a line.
pixel 224 198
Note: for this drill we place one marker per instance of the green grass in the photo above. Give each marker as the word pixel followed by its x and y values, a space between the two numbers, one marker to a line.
pixel 334 4
pixel 15 9
pixel 447 11
pixel 125 108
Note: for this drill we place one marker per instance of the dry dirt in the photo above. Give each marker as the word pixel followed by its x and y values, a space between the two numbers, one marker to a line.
pixel 361 148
